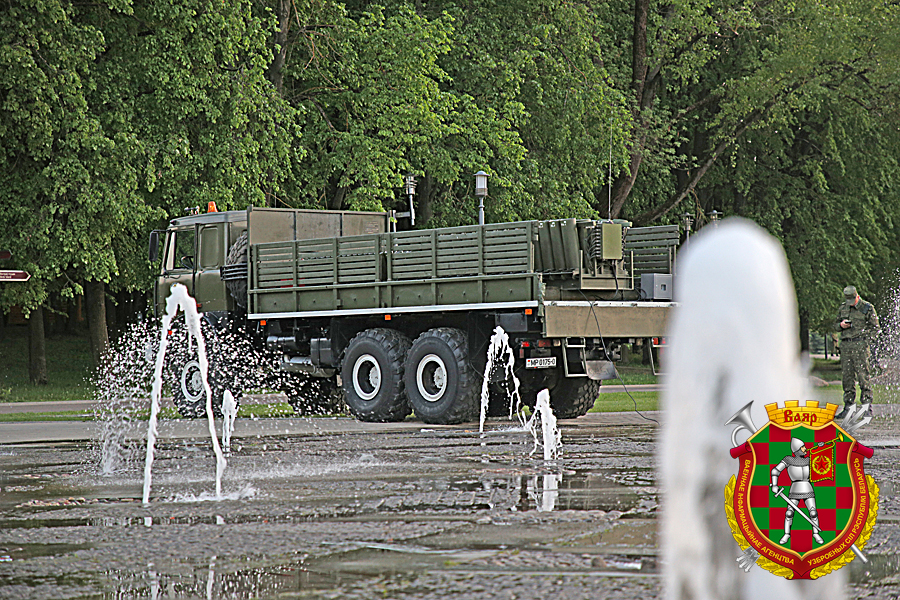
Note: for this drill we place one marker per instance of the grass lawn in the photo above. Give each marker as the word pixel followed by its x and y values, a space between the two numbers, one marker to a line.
pixel 68 368
pixel 79 415
pixel 829 370
pixel 634 375
pixel 277 409
pixel 620 402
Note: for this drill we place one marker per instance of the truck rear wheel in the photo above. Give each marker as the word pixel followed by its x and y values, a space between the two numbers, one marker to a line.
pixel 441 386
pixel 372 373
pixel 572 397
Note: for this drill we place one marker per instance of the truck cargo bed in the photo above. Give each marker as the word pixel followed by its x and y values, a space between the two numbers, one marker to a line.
pixel 490 267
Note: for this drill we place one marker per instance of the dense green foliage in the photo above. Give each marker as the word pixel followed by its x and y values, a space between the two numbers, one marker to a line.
pixel 118 114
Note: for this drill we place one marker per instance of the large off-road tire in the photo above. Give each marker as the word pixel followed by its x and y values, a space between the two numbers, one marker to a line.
pixel 237 255
pixel 188 393
pixel 441 385
pixel 572 397
pixel 182 369
pixel 313 395
pixel 372 374
pixel 500 396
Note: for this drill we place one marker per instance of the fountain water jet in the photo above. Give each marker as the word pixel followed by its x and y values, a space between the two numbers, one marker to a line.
pixel 500 354
pixel 180 299
pixel 733 339
pixel 546 495
pixel 551 438
pixel 229 413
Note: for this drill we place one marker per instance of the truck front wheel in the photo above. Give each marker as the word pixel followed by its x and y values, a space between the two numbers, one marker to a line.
pixel 188 393
pixel 372 373
pixel 441 386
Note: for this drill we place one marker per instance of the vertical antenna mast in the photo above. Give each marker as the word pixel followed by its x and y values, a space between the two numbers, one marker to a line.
pixel 609 205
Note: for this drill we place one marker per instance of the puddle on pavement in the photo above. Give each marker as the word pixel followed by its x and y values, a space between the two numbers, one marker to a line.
pixel 880 566
pixel 355 506
pixel 337 514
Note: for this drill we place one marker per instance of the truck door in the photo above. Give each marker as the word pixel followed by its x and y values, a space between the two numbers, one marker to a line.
pixel 178 264
pixel 209 288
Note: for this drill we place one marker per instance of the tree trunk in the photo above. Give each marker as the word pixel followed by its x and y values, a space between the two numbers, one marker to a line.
pixel 37 351
pixel 804 330
pixel 643 99
pixel 73 308
pixel 95 297
pixel 425 201
pixel 337 201
pixel 275 72
pixel 60 316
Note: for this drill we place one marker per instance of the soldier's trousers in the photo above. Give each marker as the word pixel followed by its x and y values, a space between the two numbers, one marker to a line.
pixel 855 368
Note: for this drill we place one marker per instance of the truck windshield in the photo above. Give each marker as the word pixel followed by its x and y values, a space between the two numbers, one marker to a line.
pixel 181 250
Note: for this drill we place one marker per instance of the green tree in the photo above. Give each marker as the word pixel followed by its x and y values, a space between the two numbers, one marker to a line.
pixel 62 183
pixel 704 77
pixel 376 104
pixel 542 66
pixel 819 168
pixel 115 115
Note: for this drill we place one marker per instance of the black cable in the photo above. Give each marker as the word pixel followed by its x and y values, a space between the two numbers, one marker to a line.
pixel 606 350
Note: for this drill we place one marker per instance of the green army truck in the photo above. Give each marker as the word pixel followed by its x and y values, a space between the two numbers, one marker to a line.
pixel 401 320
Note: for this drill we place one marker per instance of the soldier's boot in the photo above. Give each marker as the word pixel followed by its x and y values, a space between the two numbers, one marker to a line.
pixel 865 400
pixel 844 411
pixel 787 529
pixel 848 384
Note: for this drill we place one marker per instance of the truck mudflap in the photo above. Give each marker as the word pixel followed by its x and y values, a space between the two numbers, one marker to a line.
pixel 599 370
pixel 622 319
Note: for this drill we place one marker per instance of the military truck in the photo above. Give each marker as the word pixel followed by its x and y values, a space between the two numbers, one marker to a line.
pixel 401 320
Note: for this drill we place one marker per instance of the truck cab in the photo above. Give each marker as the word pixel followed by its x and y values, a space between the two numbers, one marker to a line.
pixel 193 253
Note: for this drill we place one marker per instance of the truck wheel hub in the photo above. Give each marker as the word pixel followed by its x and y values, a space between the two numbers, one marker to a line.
pixel 366 377
pixel 192 381
pixel 431 377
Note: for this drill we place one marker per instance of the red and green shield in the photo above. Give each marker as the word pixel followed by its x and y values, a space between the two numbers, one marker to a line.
pixel 842 499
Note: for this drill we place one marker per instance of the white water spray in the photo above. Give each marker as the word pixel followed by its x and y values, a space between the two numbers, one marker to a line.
pixel 499 354
pixel 122 386
pixel 180 299
pixel 550 438
pixel 229 413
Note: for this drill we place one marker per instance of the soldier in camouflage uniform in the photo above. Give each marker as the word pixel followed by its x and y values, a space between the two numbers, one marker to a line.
pixel 858 325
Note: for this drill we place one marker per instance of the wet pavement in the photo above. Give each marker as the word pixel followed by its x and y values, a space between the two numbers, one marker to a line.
pixel 330 508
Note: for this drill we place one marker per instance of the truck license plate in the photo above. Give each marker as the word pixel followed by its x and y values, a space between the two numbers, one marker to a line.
pixel 540 363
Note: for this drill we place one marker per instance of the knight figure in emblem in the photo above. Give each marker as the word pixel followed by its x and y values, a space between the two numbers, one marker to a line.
pixel 797 465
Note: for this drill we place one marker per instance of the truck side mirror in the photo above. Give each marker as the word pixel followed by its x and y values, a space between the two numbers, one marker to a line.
pixel 154 245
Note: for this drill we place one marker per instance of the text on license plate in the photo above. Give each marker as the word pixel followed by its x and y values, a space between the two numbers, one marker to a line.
pixel 540 363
